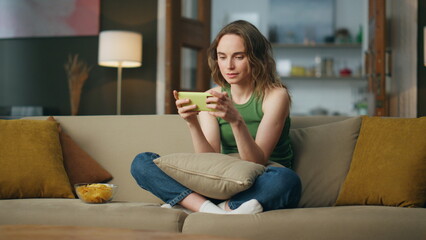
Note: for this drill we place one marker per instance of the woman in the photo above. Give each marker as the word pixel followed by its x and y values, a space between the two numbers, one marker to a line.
pixel 251 118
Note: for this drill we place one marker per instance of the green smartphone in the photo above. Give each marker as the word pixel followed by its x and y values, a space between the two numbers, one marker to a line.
pixel 197 98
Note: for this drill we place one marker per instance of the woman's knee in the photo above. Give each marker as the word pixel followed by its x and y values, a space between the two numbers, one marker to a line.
pixel 290 177
pixel 290 185
pixel 142 163
pixel 294 185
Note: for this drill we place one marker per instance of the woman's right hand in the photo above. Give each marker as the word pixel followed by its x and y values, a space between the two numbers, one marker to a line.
pixel 188 112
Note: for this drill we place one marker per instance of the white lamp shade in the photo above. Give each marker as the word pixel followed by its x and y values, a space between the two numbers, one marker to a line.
pixel 120 48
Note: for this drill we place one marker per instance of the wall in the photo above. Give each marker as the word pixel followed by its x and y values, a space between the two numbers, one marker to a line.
pixel 32 69
pixel 402 39
pixel 348 14
pixel 161 58
pixel 224 10
pixel 351 14
pixel 421 64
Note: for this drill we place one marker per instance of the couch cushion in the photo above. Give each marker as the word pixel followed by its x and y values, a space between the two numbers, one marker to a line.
pixel 322 158
pixel 73 212
pixel 349 223
pixel 80 166
pixel 114 141
pixel 388 165
pixel 31 160
pixel 213 175
pixel 312 121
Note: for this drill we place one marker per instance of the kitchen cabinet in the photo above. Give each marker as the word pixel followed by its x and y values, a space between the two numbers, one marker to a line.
pixel 305 58
pixel 327 93
pixel 288 24
pixel 357 78
pixel 317 45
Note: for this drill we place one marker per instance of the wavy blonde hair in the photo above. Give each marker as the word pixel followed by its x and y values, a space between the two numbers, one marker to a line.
pixel 259 53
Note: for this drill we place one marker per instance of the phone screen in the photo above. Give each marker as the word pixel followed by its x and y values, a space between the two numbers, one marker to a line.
pixel 197 98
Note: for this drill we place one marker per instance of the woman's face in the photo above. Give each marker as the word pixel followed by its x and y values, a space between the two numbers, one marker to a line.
pixel 232 59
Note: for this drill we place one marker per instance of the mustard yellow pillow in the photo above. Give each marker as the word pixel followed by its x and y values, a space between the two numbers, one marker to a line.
pixel 388 165
pixel 31 160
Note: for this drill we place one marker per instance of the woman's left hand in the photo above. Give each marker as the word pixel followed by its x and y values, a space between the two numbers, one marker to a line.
pixel 223 106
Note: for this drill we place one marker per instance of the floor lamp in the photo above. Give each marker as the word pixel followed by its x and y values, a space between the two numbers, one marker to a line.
pixel 120 49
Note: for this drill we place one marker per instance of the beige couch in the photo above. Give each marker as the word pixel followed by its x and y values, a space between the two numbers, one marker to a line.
pixel 115 140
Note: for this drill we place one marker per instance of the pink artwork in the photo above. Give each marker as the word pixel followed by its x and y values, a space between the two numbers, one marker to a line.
pixel 47 18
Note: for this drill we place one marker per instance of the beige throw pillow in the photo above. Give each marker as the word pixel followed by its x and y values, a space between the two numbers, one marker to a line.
pixel 322 158
pixel 213 175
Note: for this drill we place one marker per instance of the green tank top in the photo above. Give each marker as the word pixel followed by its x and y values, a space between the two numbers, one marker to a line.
pixel 252 113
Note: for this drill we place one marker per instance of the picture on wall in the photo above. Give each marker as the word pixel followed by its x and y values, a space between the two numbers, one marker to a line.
pixel 49 18
pixel 301 21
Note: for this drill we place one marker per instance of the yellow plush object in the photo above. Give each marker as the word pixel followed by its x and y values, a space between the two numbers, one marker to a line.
pixel 388 165
pixel 31 160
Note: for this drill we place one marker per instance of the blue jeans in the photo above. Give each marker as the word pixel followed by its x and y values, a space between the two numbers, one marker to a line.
pixel 276 188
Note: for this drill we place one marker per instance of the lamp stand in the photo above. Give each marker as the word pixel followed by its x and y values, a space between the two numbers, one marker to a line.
pixel 120 49
pixel 119 70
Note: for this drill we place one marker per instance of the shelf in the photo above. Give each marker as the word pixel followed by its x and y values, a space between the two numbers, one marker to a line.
pixel 319 45
pixel 323 78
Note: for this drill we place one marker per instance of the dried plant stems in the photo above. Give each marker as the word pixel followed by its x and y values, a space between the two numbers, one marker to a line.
pixel 77 73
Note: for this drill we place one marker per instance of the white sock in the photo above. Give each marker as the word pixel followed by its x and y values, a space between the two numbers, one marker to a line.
pixel 222 205
pixel 209 207
pixel 250 207
pixel 177 206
